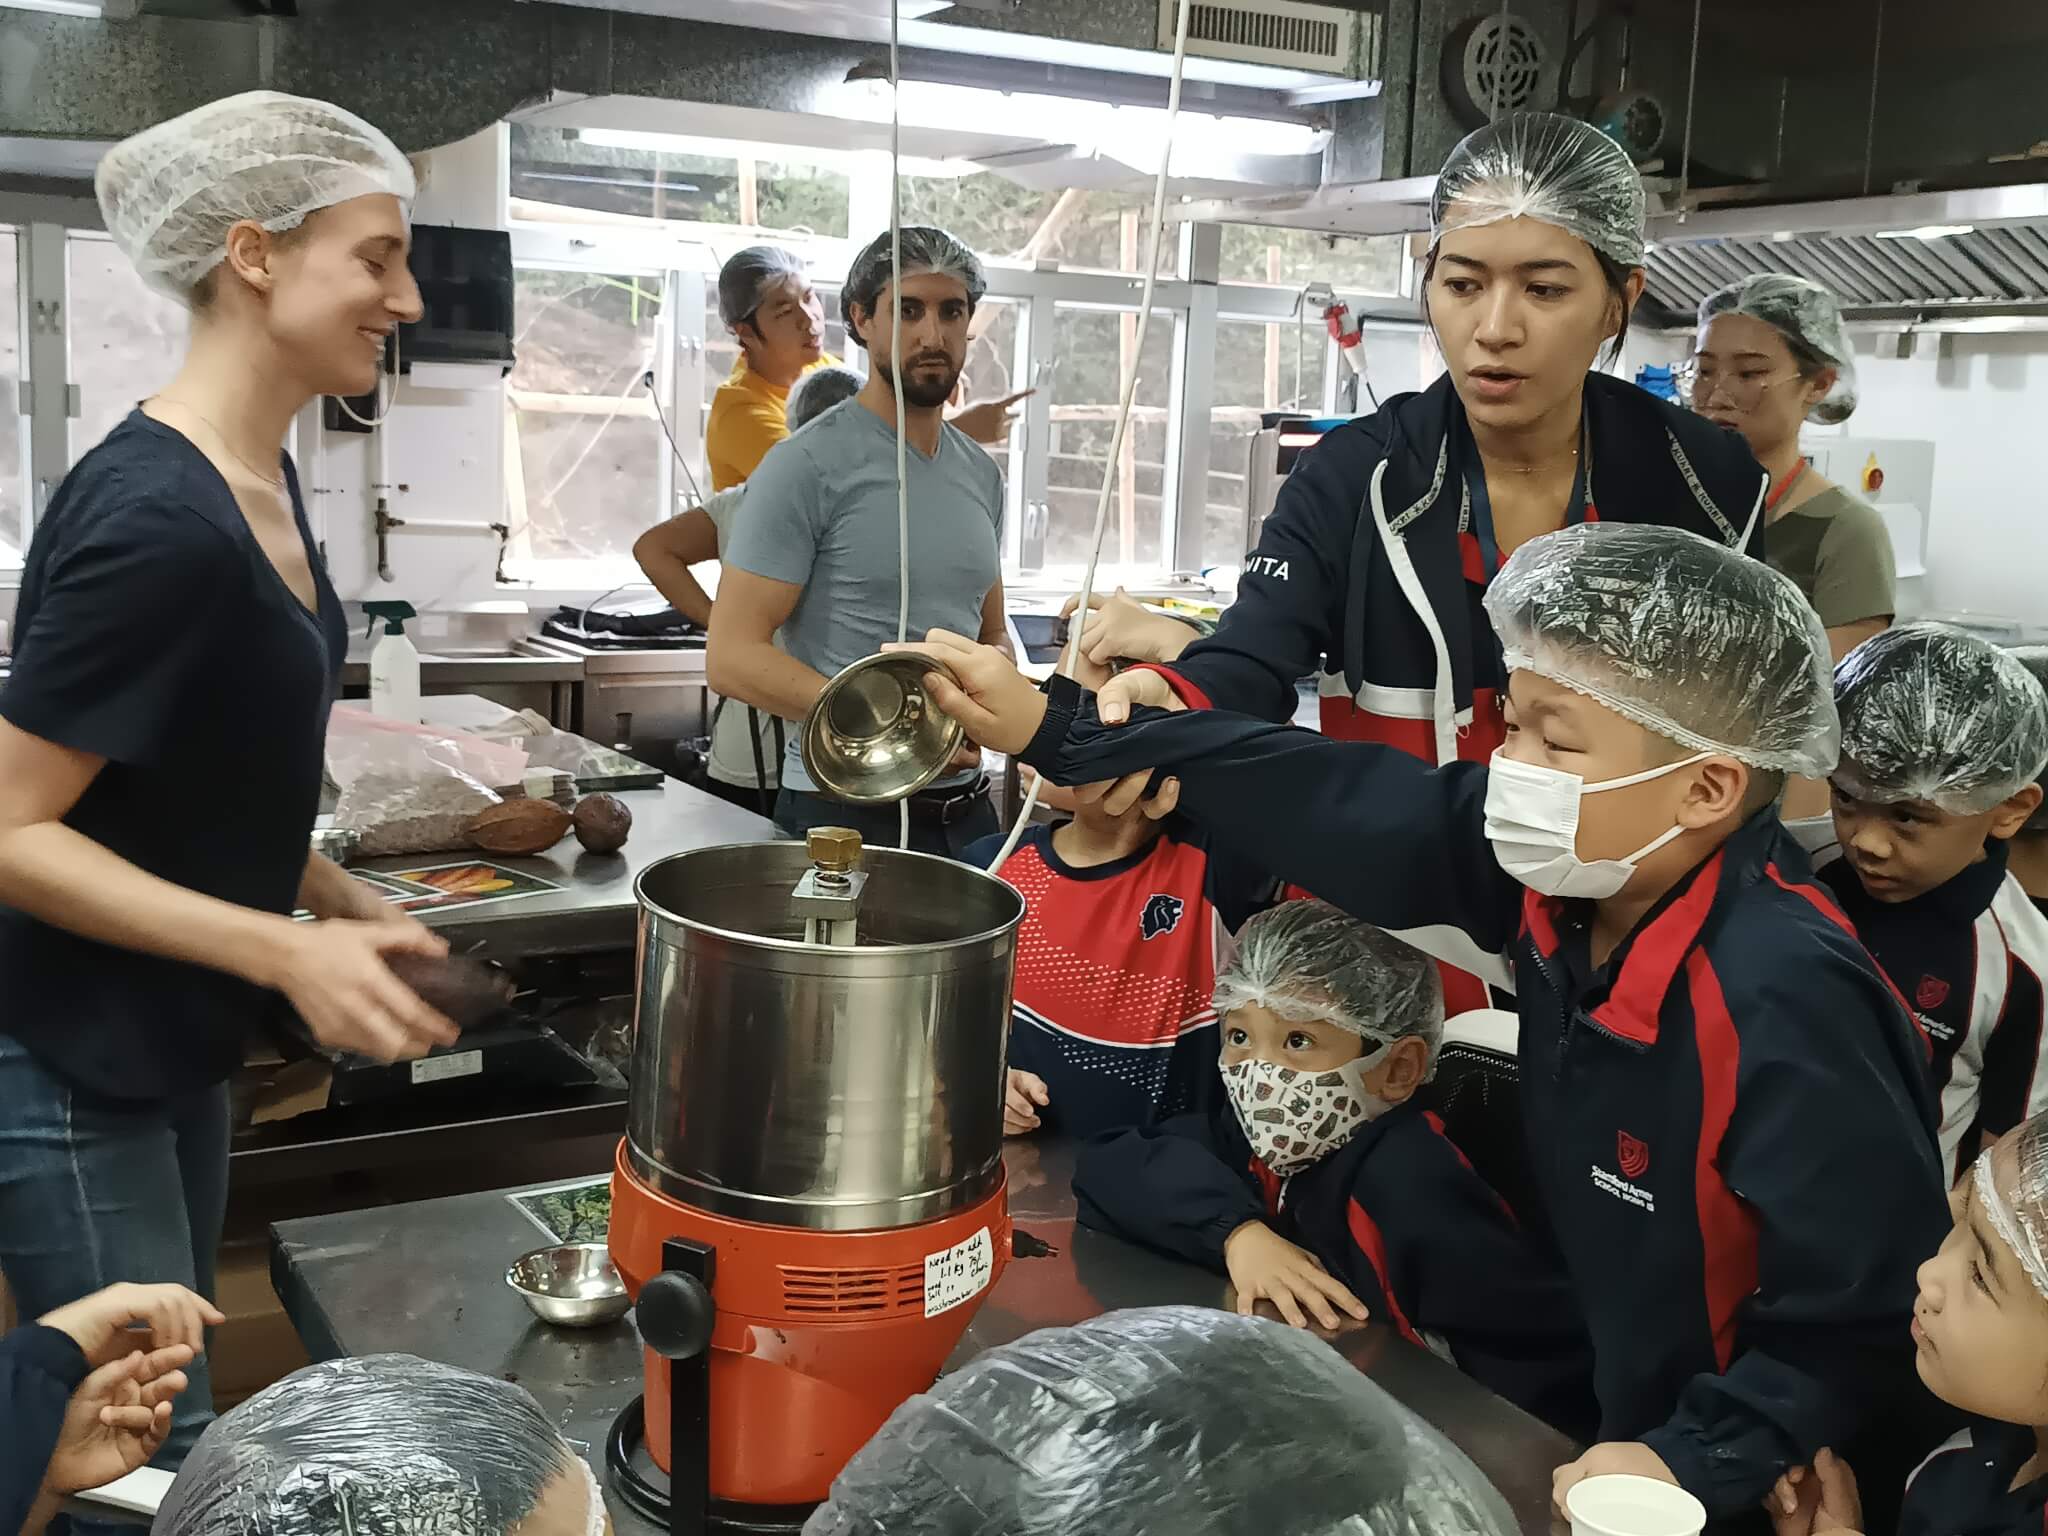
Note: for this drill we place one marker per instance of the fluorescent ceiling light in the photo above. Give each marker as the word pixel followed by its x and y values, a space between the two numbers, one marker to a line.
pixel 1927 232
pixel 93 8
pixel 845 160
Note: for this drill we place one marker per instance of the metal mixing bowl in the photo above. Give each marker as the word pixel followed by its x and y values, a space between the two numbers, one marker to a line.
pixel 873 737
pixel 572 1286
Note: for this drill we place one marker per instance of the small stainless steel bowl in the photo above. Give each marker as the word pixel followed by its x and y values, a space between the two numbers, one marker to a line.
pixel 573 1285
pixel 873 737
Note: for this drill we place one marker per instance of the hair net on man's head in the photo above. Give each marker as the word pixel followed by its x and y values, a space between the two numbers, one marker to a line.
pixel 1688 638
pixel 1166 1419
pixel 1932 713
pixel 1557 170
pixel 171 193
pixel 1307 961
pixel 1809 318
pixel 385 1444
pixel 818 391
pixel 746 277
pixel 2035 659
pixel 2010 1185
pixel 925 249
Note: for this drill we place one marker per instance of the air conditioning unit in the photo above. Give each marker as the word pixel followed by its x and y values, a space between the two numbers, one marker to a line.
pixel 1289 33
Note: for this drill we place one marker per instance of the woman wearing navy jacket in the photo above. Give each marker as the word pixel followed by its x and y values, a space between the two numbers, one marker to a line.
pixel 1374 563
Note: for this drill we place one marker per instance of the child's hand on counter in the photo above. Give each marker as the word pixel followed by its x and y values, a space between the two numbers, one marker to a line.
pixel 1264 1266
pixel 1025 1097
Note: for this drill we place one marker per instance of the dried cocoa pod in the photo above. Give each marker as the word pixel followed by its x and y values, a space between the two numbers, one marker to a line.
pixel 461 988
pixel 519 827
pixel 602 822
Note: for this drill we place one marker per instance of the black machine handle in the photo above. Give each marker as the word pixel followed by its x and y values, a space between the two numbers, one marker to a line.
pixel 676 1314
pixel 679 1329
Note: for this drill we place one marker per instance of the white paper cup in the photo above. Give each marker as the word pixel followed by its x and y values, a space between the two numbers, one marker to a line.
pixel 1623 1505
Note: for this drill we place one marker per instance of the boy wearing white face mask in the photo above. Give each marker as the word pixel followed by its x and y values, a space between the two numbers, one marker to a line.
pixel 1321 1186
pixel 1727 1108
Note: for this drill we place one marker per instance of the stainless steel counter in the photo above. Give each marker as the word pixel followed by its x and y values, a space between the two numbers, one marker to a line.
pixel 595 908
pixel 531 676
pixel 426 1279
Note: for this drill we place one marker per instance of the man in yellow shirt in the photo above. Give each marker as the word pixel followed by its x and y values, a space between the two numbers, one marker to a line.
pixel 766 300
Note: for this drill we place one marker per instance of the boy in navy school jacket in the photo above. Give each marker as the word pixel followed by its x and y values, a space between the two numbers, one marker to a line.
pixel 1321 1185
pixel 1943 736
pixel 1726 1102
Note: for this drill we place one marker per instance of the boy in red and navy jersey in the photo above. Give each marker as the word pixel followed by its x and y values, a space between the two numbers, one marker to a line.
pixel 1943 737
pixel 1127 918
pixel 1729 1124
pixel 1322 1186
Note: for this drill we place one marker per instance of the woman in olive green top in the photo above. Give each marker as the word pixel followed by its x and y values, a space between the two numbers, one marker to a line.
pixel 1771 353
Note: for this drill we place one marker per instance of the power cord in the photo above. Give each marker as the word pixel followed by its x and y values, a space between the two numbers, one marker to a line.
pixel 654 399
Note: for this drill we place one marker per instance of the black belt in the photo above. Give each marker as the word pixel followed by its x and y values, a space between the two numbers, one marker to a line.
pixel 955 802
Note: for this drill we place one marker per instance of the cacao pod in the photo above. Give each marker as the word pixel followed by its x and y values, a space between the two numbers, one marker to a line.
pixel 602 822
pixel 519 827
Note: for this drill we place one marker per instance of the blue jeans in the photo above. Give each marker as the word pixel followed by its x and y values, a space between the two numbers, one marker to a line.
pixel 93 1192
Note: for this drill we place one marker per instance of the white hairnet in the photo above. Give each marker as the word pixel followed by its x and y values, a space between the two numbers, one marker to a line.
pixel 1307 961
pixel 1932 713
pixel 746 277
pixel 1810 320
pixel 2035 659
pixel 1543 166
pixel 1163 1420
pixel 171 193
pixel 2010 1184
pixel 384 1444
pixel 925 249
pixel 1684 636
pixel 818 391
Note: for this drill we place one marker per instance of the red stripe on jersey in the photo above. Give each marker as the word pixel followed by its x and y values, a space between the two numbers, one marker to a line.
pixel 1436 1123
pixel 1652 962
pixel 1127 960
pixel 1343 720
pixel 1727 1225
pixel 1824 904
pixel 1366 1233
pixel 1472 558
pixel 1187 692
pixel 1270 1184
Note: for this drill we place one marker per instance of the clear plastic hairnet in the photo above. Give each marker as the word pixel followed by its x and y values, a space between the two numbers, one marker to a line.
pixel 1540 165
pixel 818 391
pixel 1932 713
pixel 1808 315
pixel 925 249
pixel 1166 1419
pixel 746 277
pixel 171 193
pixel 2035 659
pixel 1684 636
pixel 385 1445
pixel 1307 961
pixel 2010 1184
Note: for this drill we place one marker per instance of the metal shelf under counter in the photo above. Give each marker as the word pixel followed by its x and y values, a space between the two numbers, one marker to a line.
pixel 529 675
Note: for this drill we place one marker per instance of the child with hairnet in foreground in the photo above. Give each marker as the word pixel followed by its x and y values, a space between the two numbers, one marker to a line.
pixel 1324 1188
pixel 1980 1334
pixel 1727 1106
pixel 1943 736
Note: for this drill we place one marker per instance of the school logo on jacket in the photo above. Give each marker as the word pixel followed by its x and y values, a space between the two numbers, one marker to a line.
pixel 1162 915
pixel 1931 993
pixel 1633 1154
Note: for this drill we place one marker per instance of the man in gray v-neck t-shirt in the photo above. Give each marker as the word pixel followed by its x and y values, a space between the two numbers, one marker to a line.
pixel 816 552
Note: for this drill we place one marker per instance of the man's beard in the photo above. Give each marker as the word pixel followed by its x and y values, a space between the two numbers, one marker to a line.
pixel 923 388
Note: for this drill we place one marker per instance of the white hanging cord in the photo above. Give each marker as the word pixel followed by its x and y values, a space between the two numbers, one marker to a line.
pixel 896 361
pixel 376 393
pixel 1071 653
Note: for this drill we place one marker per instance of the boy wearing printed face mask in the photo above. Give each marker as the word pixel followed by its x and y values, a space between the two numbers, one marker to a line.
pixel 1319 1185
pixel 1728 1114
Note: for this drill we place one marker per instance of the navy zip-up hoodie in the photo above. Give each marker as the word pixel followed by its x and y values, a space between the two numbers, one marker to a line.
pixel 1396 1213
pixel 1729 1123
pixel 39 1370
pixel 1374 524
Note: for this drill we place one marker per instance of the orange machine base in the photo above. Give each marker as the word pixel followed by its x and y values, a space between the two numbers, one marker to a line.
pixel 819 1335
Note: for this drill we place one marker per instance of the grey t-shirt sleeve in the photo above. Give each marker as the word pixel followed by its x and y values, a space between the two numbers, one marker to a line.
pixel 778 538
pixel 1854 576
pixel 720 507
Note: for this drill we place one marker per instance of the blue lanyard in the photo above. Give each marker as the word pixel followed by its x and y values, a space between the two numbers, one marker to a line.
pixel 1482 504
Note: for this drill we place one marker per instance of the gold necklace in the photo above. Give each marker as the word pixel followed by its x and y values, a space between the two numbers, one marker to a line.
pixel 275 482
pixel 1530 469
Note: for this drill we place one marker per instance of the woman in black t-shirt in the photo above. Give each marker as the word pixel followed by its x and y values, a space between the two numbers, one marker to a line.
pixel 178 648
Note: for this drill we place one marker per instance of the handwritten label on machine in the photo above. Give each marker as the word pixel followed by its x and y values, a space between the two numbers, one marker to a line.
pixel 958 1274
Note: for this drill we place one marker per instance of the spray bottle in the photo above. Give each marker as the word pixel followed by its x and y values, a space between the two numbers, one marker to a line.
pixel 394 665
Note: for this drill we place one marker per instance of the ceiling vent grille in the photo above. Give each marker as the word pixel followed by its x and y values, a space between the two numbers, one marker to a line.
pixel 1325 38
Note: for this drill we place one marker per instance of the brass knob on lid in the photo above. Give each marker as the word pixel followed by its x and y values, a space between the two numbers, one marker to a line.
pixel 835 850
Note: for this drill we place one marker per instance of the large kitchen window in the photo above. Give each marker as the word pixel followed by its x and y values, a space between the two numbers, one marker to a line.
pixel 1097 353
pixel 126 342
pixel 592 463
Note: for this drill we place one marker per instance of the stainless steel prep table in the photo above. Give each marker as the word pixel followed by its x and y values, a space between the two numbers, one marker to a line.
pixel 428 1279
